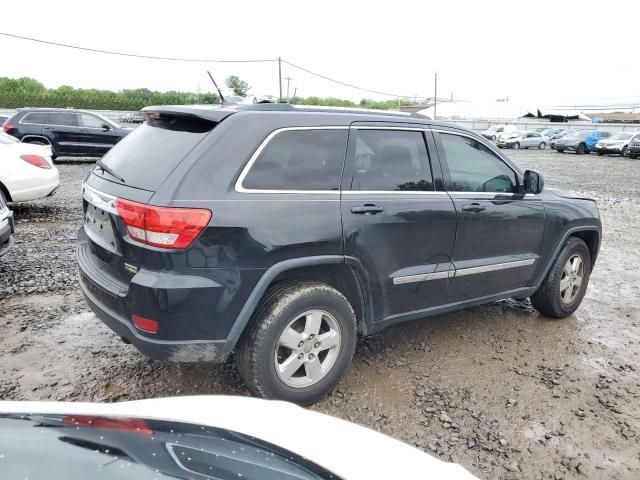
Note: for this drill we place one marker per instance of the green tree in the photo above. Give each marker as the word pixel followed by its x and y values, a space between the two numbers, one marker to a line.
pixel 239 87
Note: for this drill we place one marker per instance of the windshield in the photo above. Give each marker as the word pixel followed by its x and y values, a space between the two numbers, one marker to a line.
pixel 82 447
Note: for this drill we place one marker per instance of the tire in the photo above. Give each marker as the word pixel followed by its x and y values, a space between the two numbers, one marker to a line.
pixel 624 151
pixel 632 156
pixel 582 149
pixel 516 146
pixel 542 146
pixel 549 299
pixel 600 153
pixel 560 150
pixel 284 307
pixel 493 137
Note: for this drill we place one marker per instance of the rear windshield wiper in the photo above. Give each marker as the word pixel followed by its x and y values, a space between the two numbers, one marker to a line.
pixel 100 164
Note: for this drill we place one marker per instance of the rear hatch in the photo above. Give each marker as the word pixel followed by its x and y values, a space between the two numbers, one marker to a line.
pixel 119 223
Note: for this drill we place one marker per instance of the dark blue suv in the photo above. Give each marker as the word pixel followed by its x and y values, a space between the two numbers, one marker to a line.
pixel 69 132
pixel 281 233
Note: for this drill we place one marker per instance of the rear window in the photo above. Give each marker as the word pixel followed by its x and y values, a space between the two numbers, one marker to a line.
pixel 147 156
pixel 299 160
pixel 63 119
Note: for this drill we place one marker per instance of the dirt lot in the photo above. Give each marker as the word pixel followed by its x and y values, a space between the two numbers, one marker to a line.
pixel 504 392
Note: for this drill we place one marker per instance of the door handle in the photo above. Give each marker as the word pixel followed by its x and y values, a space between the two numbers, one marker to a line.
pixel 473 208
pixel 367 208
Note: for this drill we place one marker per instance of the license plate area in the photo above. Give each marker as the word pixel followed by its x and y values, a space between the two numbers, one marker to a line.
pixel 97 224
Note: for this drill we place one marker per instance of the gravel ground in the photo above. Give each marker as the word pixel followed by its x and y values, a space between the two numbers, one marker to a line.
pixel 497 388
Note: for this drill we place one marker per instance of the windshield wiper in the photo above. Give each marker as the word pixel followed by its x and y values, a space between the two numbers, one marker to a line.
pixel 100 164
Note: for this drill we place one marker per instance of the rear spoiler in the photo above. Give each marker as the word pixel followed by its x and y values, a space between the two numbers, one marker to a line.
pixel 211 113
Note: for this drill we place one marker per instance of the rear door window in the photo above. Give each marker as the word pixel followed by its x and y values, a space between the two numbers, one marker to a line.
pixel 391 160
pixel 89 121
pixel 63 119
pixel 299 160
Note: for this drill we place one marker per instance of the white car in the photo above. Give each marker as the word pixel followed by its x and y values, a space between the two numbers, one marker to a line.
pixel 202 437
pixel 617 143
pixel 6 228
pixel 526 139
pixel 26 170
pixel 494 132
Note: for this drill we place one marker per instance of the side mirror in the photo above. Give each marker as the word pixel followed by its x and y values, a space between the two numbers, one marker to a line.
pixel 533 182
pixel 106 127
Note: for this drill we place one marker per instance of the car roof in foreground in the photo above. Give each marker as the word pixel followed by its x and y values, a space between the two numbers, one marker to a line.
pixel 331 445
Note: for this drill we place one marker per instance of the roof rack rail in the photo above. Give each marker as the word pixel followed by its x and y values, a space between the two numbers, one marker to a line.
pixel 419 115
pixel 268 107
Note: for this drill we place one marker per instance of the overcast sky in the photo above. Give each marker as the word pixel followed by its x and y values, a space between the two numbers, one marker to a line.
pixel 547 52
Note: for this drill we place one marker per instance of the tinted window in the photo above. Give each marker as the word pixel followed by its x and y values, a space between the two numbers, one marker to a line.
pixel 36 117
pixel 299 160
pixel 90 121
pixel 62 118
pixel 475 168
pixel 391 160
pixel 146 156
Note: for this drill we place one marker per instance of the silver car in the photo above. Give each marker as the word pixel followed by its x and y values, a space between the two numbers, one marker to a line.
pixel 525 139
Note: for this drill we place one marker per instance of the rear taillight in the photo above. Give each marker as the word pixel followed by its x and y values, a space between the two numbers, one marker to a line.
pixel 131 425
pixel 7 127
pixel 145 324
pixel 36 161
pixel 165 227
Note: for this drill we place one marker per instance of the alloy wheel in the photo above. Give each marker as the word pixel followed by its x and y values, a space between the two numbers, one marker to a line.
pixel 571 280
pixel 307 348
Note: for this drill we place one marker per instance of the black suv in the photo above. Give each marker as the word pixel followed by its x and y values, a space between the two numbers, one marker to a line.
pixel 282 233
pixel 69 132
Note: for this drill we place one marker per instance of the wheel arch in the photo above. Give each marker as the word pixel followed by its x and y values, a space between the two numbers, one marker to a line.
pixel 590 234
pixel 344 274
pixel 5 190
pixel 27 138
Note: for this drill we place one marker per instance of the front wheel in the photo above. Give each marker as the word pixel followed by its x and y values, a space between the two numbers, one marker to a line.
pixel 516 146
pixel 565 285
pixel 542 146
pixel 493 137
pixel 582 148
pixel 300 344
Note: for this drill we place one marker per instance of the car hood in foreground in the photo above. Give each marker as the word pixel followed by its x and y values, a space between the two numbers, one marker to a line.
pixel 348 450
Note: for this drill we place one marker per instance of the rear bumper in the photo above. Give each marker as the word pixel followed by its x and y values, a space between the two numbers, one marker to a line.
pixel 609 150
pixel 42 186
pixel 114 301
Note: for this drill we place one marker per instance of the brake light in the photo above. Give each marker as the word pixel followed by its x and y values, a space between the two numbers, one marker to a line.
pixel 165 227
pixel 145 324
pixel 36 161
pixel 7 127
pixel 132 425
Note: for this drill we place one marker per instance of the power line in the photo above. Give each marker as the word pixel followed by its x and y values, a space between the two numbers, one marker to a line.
pixel 201 60
pixel 134 55
pixel 344 83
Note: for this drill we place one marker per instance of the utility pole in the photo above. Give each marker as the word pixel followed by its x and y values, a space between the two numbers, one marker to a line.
pixel 288 79
pixel 295 93
pixel 280 77
pixel 435 95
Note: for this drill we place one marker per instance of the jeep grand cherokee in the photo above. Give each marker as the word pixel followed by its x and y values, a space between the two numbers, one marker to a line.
pixel 281 233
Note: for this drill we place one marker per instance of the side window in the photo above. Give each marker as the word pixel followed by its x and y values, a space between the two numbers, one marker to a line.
pixel 89 121
pixel 300 160
pixel 62 118
pixel 391 160
pixel 40 118
pixel 475 168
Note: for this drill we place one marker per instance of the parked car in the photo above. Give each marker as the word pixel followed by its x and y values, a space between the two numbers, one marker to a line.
pixel 560 134
pixel 68 132
pixel 618 143
pixel 264 99
pixel 550 132
pixel 634 147
pixel 493 132
pixel 133 117
pixel 204 437
pixel 525 139
pixel 6 227
pixel 508 130
pixel 26 171
pixel 581 141
pixel 220 229
pixel 3 118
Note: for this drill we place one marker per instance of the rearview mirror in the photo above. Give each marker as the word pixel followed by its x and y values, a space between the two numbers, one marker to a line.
pixel 533 182
pixel 106 126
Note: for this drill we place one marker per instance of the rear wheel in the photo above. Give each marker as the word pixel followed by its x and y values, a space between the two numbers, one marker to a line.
pixel 582 149
pixel 300 343
pixel 542 146
pixel 563 289
pixel 625 151
pixel 516 146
